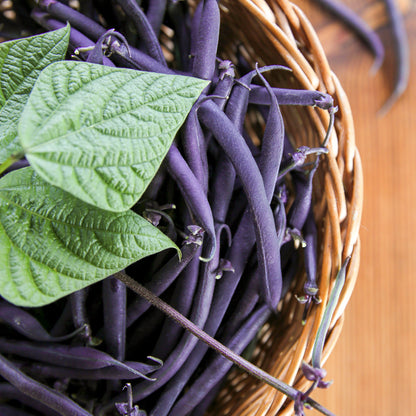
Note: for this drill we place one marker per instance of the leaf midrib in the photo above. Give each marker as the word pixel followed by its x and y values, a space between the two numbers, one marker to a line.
pixel 82 259
pixel 85 128
pixel 16 247
pixel 11 202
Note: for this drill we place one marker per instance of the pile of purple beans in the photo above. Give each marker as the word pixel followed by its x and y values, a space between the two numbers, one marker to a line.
pixel 241 213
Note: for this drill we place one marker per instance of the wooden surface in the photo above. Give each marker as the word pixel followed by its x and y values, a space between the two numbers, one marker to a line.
pixel 374 362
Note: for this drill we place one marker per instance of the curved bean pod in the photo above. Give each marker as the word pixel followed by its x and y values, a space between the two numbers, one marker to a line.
pixel 260 96
pixel 163 279
pixel 89 27
pixel 206 38
pixel 80 319
pixel 40 392
pixel 246 168
pixel 219 366
pixel 63 355
pixel 77 40
pixel 144 29
pixel 9 392
pixel 155 13
pixel 199 314
pixel 194 147
pixel 106 373
pixel 192 192
pixel 181 299
pixel 401 49
pixel 359 26
pixel 114 310
pixel 25 324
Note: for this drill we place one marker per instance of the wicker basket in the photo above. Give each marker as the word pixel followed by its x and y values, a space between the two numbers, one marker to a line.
pixel 277 31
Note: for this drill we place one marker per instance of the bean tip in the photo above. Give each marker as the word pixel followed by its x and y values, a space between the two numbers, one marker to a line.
pixel 378 62
pixel 391 101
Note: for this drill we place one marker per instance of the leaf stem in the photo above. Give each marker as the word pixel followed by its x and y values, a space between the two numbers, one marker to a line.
pixel 255 371
pixel 9 161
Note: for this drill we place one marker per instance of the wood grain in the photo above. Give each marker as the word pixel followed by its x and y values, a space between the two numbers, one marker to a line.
pixel 374 363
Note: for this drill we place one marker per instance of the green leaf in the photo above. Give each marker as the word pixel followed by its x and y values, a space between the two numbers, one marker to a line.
pixel 101 133
pixel 21 62
pixel 52 244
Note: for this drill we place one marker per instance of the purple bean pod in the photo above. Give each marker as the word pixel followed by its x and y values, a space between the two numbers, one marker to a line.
pixel 224 173
pixel 79 314
pixel 217 346
pixel 178 13
pixel 165 277
pixel 144 29
pixel 401 49
pixel 220 95
pixel 280 211
pixel 79 21
pixel 310 287
pixel 106 373
pixel 249 295
pixel 240 251
pixel 40 392
pixel 269 162
pixel 154 216
pixel 10 393
pixel 114 311
pixel 64 321
pixel 260 96
pixel 236 108
pixel 358 26
pixel 272 144
pixel 225 83
pixel 77 40
pixel 300 208
pixel 205 38
pixel 222 86
pixel 155 13
pixel 139 60
pixel 194 146
pixel 247 298
pixel 246 168
pixel 182 299
pixel 204 404
pixel 217 368
pixel 96 55
pixel 19 164
pixel 25 324
pixel 193 194
pixel 199 314
pixel 194 26
pixel 63 355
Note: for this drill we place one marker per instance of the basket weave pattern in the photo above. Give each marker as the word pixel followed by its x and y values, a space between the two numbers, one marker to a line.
pixel 278 32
